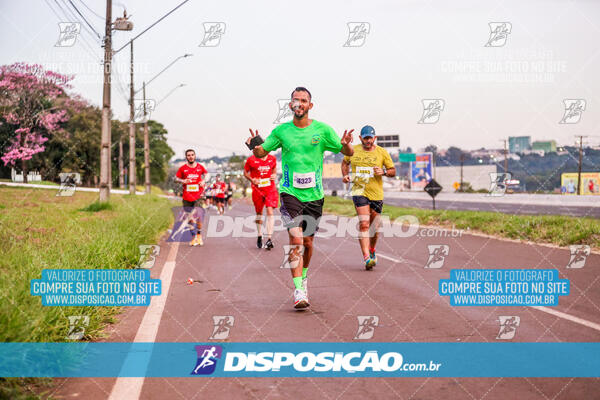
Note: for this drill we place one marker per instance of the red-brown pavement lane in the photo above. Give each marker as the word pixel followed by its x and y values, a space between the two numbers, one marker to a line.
pixel 239 280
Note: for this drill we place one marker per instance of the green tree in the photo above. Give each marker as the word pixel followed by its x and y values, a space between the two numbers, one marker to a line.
pixel 74 149
pixel 160 152
pixel 119 130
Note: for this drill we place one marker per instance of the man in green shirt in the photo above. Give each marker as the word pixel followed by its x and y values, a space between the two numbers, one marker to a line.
pixel 303 142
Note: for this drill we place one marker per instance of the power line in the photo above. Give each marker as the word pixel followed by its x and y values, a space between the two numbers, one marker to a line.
pixel 86 21
pixel 156 22
pixel 70 16
pixel 92 11
pixel 88 48
pixel 120 86
pixel 84 25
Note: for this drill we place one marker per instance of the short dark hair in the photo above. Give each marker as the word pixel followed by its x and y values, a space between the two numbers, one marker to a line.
pixel 301 89
pixel 188 150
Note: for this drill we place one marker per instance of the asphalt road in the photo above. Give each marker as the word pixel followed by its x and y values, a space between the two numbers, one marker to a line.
pixel 235 278
pixel 507 208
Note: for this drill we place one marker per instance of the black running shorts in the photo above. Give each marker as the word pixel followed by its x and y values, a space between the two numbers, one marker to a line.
pixel 376 205
pixel 304 214
pixel 191 204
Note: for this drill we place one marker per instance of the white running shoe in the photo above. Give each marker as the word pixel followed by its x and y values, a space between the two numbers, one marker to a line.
pixel 300 299
pixel 305 286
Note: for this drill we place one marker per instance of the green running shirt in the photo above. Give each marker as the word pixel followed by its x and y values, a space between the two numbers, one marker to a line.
pixel 302 157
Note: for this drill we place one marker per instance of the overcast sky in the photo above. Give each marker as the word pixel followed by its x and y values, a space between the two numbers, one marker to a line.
pixel 413 50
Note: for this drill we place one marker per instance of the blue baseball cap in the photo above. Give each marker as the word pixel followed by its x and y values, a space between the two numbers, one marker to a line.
pixel 366 131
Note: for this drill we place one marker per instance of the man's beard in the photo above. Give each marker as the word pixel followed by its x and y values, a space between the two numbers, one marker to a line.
pixel 300 116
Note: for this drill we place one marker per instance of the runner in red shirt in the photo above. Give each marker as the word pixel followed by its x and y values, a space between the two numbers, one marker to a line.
pixel 262 172
pixel 219 193
pixel 191 175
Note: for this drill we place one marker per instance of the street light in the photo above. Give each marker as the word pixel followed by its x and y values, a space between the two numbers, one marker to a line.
pixel 170 92
pixel 105 146
pixel 165 68
pixel 131 122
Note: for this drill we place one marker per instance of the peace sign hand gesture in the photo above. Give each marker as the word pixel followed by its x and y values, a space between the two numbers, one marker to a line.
pixel 252 134
pixel 347 137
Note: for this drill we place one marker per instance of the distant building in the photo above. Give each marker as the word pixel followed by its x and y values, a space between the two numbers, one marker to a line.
pixel 478 176
pixel 538 152
pixel 390 142
pixel 332 170
pixel 484 153
pixel 548 146
pixel 517 144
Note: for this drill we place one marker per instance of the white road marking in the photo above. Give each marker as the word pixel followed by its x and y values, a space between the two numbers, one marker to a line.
pixel 568 317
pixel 131 387
pixel 548 310
pixel 388 258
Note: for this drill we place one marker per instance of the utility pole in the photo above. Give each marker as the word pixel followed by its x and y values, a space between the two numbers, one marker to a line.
pixel 579 188
pixel 105 157
pixel 121 180
pixel 462 161
pixel 132 92
pixel 132 172
pixel 505 157
pixel 146 146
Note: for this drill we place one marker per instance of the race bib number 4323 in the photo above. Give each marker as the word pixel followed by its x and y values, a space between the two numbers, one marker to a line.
pixel 305 180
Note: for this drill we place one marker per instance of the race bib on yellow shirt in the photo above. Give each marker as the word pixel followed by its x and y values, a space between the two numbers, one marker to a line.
pixel 364 172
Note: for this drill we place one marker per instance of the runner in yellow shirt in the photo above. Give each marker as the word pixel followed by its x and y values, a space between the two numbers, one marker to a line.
pixel 369 164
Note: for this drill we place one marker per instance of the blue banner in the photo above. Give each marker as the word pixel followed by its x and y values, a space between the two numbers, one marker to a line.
pixel 504 287
pixel 95 287
pixel 300 359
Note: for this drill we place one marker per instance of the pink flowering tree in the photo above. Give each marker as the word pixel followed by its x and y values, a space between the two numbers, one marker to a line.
pixel 33 104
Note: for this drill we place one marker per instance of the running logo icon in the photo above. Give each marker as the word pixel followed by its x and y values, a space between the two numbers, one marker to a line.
pixel 77 325
pixel 498 183
pixel 366 326
pixel 291 256
pixel 68 182
pixel 579 253
pixel 148 254
pixel 437 255
pixel 68 34
pixel 222 326
pixel 573 110
pixel 432 109
pixel 213 31
pixel 499 32
pixel 207 359
pixel 143 110
pixel 357 33
pixel 183 228
pixel 284 113
pixel 508 327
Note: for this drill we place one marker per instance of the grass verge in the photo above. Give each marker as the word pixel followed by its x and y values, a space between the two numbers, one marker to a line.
pixel 555 229
pixel 153 189
pixel 41 231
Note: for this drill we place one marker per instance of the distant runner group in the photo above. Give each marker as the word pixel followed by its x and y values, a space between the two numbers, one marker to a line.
pixel 303 142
